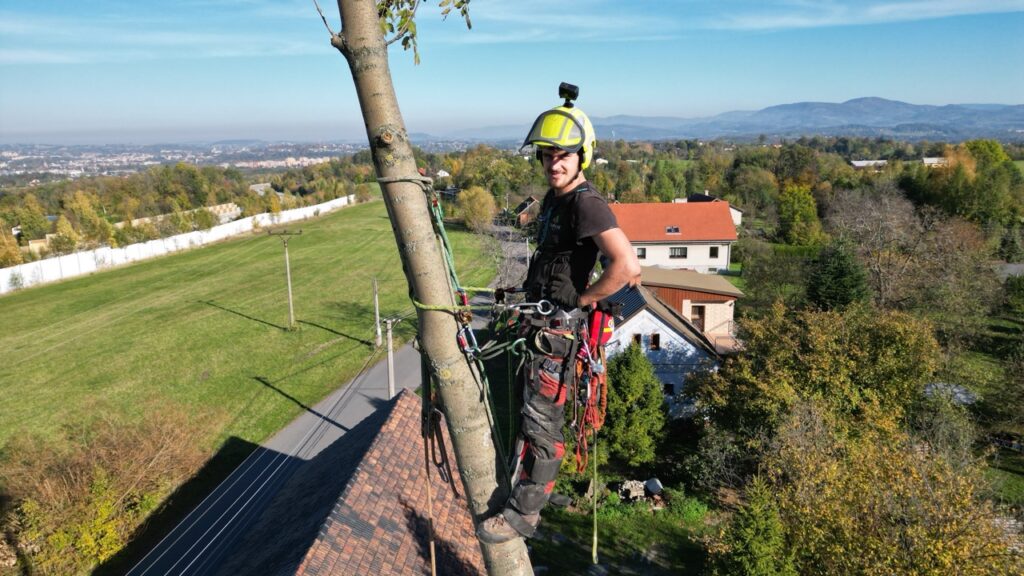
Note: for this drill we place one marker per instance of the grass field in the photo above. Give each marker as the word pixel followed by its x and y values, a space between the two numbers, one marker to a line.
pixel 1006 474
pixel 206 330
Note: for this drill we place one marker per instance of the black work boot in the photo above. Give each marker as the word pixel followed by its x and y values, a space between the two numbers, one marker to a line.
pixel 505 526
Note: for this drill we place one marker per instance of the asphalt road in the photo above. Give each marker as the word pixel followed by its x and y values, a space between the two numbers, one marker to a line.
pixel 201 542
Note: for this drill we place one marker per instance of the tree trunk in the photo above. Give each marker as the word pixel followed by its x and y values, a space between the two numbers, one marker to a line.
pixel 362 43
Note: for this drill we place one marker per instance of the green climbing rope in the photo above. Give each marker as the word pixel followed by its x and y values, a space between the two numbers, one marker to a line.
pixel 479 354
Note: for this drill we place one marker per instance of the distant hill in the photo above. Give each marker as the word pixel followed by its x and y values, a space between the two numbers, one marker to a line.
pixel 869 117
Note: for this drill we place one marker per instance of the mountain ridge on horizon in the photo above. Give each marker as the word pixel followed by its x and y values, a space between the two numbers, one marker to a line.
pixel 870 116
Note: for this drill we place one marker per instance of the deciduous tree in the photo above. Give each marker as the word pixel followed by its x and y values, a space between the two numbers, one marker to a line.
pixel 798 217
pixel 10 254
pixel 881 502
pixel 32 219
pixel 861 363
pixel 478 208
pixel 66 239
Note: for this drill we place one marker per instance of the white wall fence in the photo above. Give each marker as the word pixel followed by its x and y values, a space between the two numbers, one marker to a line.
pixel 89 261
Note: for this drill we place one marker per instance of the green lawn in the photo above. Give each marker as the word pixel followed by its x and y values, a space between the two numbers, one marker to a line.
pixel 735 275
pixel 631 540
pixel 206 330
pixel 1006 473
pixel 1020 165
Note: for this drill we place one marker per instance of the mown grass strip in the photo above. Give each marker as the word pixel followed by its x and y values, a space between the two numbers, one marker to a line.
pixel 207 328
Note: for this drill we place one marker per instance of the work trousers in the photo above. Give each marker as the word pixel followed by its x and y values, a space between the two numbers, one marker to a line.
pixel 544 381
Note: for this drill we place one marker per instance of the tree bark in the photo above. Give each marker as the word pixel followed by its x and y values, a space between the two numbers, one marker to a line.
pixel 361 41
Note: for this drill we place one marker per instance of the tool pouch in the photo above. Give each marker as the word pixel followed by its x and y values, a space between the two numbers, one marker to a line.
pixel 554 343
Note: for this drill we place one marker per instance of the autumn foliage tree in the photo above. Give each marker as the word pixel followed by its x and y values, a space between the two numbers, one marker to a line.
pixel 860 362
pixel 881 502
pixel 798 217
pixel 66 239
pixel 10 254
pixel 478 208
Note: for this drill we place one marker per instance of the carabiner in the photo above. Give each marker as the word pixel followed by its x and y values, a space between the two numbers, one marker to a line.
pixel 544 307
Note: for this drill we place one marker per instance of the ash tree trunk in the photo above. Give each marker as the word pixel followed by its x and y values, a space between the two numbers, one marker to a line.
pixel 363 44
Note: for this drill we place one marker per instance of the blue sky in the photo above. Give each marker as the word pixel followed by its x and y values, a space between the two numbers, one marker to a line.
pixel 142 71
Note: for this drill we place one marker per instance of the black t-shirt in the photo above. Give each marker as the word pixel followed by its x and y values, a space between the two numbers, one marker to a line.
pixel 565 237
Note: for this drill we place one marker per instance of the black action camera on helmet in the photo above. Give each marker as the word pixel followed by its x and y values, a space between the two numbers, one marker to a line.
pixel 568 91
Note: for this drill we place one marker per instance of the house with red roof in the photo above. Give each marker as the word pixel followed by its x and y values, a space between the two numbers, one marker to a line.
pixel 692 236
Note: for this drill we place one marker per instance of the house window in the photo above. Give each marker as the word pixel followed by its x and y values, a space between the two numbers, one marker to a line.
pixel 671 229
pixel 655 341
pixel 638 339
pixel 714 252
pixel 670 389
pixel 677 252
pixel 641 253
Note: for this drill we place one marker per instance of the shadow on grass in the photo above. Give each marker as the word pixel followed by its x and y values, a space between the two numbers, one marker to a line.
pixel 178 506
pixel 266 382
pixel 336 332
pixel 643 545
pixel 246 316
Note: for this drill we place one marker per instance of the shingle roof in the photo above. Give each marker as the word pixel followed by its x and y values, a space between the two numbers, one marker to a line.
pixel 688 280
pixel 696 221
pixel 637 298
pixel 360 508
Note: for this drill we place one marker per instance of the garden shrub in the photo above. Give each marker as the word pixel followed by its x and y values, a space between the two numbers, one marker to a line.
pixel 72 502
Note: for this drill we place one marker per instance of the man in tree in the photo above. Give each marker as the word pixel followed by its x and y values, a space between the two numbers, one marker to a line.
pixel 574 225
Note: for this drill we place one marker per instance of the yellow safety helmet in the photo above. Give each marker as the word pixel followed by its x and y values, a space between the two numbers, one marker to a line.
pixel 566 128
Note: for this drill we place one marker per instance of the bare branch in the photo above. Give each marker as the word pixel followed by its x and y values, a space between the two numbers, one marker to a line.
pixel 324 18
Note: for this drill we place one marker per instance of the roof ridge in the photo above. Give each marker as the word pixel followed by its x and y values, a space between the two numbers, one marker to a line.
pixel 660 306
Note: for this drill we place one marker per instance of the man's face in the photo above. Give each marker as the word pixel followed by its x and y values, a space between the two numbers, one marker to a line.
pixel 561 168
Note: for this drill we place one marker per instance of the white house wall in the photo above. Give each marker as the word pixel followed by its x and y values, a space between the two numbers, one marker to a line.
pixel 676 360
pixel 89 261
pixel 698 256
pixel 718 317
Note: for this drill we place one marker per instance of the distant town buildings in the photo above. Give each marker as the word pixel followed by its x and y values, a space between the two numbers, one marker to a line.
pixel 286 163
pixel 42 162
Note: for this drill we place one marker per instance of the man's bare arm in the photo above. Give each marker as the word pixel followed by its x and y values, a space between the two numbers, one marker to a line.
pixel 623 267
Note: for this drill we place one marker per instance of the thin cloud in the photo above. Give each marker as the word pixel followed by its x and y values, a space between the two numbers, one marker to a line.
pixel 792 15
pixel 533 21
pixel 33 40
pixel 28 56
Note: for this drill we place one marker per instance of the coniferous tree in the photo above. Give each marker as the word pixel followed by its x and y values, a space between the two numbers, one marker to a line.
pixel 757 537
pixel 636 408
pixel 835 278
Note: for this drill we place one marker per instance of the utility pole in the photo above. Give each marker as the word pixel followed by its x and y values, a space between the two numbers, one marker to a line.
pixel 389 322
pixel 284 234
pixel 376 311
